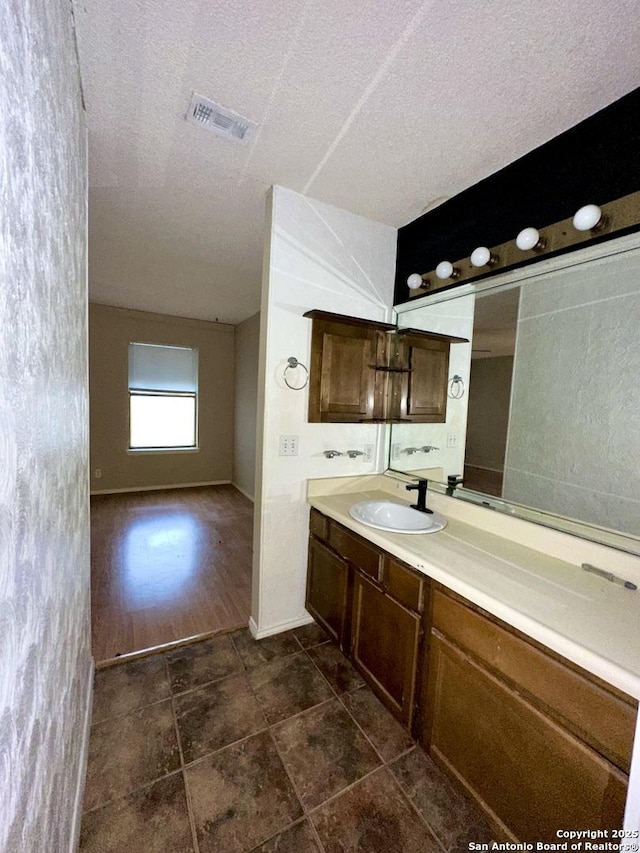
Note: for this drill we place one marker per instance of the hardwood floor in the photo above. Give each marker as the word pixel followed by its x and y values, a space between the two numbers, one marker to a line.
pixel 168 565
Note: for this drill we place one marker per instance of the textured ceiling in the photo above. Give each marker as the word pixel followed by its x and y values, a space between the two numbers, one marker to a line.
pixel 378 107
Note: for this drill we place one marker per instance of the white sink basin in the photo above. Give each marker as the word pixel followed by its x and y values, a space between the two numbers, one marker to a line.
pixel 396 518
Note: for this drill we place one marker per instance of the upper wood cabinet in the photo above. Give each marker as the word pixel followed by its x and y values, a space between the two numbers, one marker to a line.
pixel 363 371
pixel 344 385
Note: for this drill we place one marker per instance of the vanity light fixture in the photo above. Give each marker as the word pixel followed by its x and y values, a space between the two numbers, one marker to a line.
pixel 415 281
pixel 445 269
pixel 482 257
pixel 528 239
pixel 587 218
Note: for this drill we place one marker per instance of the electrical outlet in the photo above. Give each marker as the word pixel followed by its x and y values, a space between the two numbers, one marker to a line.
pixel 288 445
pixel 452 439
pixel 97 473
pixel 368 453
pixel 395 451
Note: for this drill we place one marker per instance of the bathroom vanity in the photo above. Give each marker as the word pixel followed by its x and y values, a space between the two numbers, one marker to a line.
pixel 517 671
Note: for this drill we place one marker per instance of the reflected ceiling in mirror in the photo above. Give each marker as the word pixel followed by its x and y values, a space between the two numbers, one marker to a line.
pixel 544 415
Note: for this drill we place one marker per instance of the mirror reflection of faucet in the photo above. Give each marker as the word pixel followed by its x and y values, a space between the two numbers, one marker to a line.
pixel 426 449
pixel 453 480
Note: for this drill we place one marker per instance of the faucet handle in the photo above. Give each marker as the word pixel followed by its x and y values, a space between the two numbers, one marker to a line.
pixel 428 447
pixel 331 453
pixel 353 453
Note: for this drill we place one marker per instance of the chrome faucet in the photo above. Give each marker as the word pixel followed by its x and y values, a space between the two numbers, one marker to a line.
pixel 331 453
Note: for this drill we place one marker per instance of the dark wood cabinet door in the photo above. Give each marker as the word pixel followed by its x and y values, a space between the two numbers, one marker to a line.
pixel 385 639
pixel 527 772
pixel 328 590
pixel 424 394
pixel 343 378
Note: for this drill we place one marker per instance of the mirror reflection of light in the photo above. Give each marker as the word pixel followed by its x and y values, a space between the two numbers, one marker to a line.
pixel 159 558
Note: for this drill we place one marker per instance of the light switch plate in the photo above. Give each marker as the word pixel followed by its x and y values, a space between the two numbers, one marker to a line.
pixel 288 445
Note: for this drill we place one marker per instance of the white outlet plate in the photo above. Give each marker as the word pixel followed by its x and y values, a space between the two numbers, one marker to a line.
pixel 395 451
pixel 97 473
pixel 288 445
pixel 368 453
pixel 452 439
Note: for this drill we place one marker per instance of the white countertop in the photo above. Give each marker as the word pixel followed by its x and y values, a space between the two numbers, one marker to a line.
pixel 587 619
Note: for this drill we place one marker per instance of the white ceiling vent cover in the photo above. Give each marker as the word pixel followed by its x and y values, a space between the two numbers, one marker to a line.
pixel 206 113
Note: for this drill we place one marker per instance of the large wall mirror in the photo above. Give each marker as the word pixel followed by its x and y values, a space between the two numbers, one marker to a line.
pixel 543 411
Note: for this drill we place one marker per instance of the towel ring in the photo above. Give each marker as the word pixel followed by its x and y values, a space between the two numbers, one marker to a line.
pixel 292 364
pixel 455 387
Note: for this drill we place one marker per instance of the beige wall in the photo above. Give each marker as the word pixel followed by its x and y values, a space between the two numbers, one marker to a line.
pixel 246 401
pixel 110 332
pixel 488 417
pixel 45 642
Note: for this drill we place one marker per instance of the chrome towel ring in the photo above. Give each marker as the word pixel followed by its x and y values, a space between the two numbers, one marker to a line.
pixel 455 387
pixel 292 364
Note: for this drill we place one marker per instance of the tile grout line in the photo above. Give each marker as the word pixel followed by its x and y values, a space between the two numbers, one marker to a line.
pixel 187 792
pixel 357 724
pixel 132 792
pixel 415 809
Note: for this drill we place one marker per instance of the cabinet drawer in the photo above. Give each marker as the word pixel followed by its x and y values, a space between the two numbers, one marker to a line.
pixel 362 554
pixel 404 584
pixel 598 716
pixel 528 772
pixel 318 524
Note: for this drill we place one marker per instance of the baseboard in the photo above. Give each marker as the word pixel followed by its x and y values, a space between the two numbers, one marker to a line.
pixel 278 629
pixel 82 768
pixel 242 492
pixel 161 488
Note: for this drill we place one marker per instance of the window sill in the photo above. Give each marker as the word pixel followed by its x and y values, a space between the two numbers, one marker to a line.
pixel 134 451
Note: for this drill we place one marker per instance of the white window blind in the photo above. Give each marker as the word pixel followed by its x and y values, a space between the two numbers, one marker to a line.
pixel 163 397
pixel 153 367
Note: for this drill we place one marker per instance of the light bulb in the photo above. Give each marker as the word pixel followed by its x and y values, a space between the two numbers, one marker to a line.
pixel 528 239
pixel 444 269
pixel 480 257
pixel 587 217
pixel 414 281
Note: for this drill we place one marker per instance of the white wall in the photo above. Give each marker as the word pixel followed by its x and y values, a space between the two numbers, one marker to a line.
pixel 574 443
pixel 247 348
pixel 316 256
pixel 45 660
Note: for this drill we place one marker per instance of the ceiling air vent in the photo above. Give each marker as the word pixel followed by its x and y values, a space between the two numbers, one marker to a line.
pixel 206 113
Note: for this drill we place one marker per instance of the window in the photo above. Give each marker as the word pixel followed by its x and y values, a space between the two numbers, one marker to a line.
pixel 163 397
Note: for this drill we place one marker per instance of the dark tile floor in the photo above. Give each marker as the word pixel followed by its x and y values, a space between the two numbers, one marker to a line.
pixel 231 745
